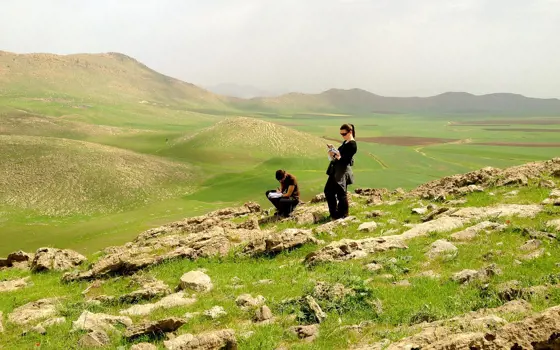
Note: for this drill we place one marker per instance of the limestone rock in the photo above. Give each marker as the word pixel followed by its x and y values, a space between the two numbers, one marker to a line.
pixel 246 301
pixel 149 290
pixel 330 291
pixel 154 328
pixel 367 226
pixel 534 255
pixel 90 322
pixel 441 248
pixel 429 274
pixel 168 302
pixel 143 346
pixel 419 211
pixel 94 339
pixel 434 213
pixel 13 285
pixel 34 311
pixel 510 290
pixel 465 276
pixel 197 281
pixel 263 314
pixel 316 310
pixel 547 184
pixel 531 245
pixel 319 198
pixel 375 214
pixel 41 328
pixel 373 267
pixel 308 333
pixel 347 249
pixel 1 322
pixel 19 259
pixel 473 231
pixel 51 259
pixel 554 224
pixel 216 340
pixel 215 312
pixel 330 226
pixel 278 242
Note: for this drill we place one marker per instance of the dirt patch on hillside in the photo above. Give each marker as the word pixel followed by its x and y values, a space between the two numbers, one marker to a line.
pixel 505 122
pixel 518 144
pixel 406 140
pixel 522 129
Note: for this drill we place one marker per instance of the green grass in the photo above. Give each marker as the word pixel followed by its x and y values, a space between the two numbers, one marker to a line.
pixel 425 300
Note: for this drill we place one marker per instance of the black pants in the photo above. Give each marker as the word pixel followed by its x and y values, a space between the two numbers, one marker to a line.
pixel 284 206
pixel 337 199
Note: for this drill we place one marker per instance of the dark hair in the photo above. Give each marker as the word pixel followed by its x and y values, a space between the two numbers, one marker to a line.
pixel 280 174
pixel 349 128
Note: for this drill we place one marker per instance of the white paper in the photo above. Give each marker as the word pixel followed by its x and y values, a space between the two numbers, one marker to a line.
pixel 274 195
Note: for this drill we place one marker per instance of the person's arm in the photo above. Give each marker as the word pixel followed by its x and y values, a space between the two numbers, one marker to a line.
pixel 290 191
pixel 346 153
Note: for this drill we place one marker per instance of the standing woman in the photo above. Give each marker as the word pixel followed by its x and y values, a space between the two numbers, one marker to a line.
pixel 340 173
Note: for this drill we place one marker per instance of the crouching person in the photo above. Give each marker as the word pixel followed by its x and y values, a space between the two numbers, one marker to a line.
pixel 286 198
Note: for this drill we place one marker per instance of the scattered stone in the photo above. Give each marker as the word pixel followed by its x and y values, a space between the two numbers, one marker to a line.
pixel 266 281
pixel 1 322
pixel 94 339
pixel 375 214
pixel 319 198
pixel 466 276
pixel 12 285
pixel 90 322
pixel 316 310
pixel 331 292
pixel 392 222
pixel 419 211
pixel 531 244
pixel 367 226
pixel 554 224
pixel 512 193
pixel 215 312
pixel 554 193
pixel 149 290
pixel 429 274
pixel 547 184
pixel 263 314
pixel 387 276
pixel 51 259
pixel 277 242
pixel 330 226
pixel 155 328
pixel 168 302
pixel 41 328
pixel 143 346
pixel 308 333
pixel 510 290
pixel 403 283
pixel 191 315
pixel 373 267
pixel 347 249
pixel 432 215
pixel 217 340
pixel 441 247
pixel 19 259
pixel 539 234
pixel 247 335
pixel 534 255
pixel 471 232
pixel 197 281
pixel 246 301
pixel 34 311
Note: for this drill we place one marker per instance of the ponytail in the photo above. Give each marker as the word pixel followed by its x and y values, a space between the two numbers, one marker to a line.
pixel 350 128
pixel 353 130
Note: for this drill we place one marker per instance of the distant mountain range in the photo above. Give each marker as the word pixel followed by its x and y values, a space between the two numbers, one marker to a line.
pixel 361 101
pixel 117 77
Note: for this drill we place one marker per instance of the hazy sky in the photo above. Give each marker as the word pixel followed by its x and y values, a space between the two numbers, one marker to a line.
pixel 389 47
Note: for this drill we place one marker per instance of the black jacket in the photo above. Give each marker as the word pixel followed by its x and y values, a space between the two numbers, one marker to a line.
pixel 341 169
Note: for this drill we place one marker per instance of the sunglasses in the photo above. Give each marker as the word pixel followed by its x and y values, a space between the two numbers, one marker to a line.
pixel 344 133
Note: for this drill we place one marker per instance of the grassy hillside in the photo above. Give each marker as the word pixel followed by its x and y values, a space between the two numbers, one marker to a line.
pixel 58 177
pixel 370 300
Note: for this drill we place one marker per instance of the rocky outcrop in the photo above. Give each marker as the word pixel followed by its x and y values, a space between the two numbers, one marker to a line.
pixel 274 243
pixel 150 290
pixel 471 232
pixel 51 259
pixel 459 184
pixel 168 302
pixel 143 346
pixel 90 321
pixel 540 331
pixel 154 329
pixel 217 340
pixel 215 312
pixel 34 311
pixel 307 333
pixel 41 328
pixel 13 285
pixel 1 322
pixel 466 276
pixel 246 301
pixel 94 339
pixel 19 259
pixel 329 227
pixel 453 219
pixel 201 237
